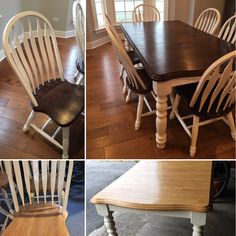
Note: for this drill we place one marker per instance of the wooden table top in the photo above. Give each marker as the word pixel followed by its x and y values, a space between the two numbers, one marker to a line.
pixel 173 49
pixel 161 186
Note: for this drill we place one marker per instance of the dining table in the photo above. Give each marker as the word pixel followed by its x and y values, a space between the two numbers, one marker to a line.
pixel 172 53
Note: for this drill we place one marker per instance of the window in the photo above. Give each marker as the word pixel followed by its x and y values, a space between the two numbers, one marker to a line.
pixel 121 10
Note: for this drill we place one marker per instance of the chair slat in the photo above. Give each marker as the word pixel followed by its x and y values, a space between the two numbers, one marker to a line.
pixel 42 49
pixel 61 177
pixel 145 12
pixel 27 176
pixel 35 167
pixel 19 183
pixel 44 175
pixel 53 179
pixel 8 167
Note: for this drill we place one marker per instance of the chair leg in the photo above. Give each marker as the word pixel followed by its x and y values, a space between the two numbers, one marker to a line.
pixel 125 87
pixel 139 112
pixel 122 71
pixel 175 106
pixel 128 96
pixel 230 119
pixel 65 142
pixel 29 121
pixel 194 136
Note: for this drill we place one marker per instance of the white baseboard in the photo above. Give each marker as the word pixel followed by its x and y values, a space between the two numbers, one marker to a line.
pixel 65 34
pixel 97 43
pixel 59 34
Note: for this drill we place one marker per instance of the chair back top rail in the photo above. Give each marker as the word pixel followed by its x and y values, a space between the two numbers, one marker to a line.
pixel 145 13
pixel 215 83
pixel 30 46
pixel 47 177
pixel 228 30
pixel 78 20
pixel 132 74
pixel 208 21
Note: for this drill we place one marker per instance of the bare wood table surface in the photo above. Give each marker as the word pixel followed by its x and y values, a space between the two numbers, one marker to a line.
pixel 173 53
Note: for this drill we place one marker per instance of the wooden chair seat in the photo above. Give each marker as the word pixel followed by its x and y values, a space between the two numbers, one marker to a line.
pixel 60 100
pixel 37 220
pixel 3 180
pixel 186 93
pixel 146 80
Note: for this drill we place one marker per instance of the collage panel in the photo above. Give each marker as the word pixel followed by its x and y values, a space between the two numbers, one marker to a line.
pixel 42 198
pixel 160 198
pixel 42 80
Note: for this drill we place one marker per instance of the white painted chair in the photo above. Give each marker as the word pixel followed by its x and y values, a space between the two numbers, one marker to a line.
pixel 7 213
pixel 212 99
pixel 78 21
pixel 36 62
pixel 145 13
pixel 40 209
pixel 131 54
pixel 208 21
pixel 228 30
pixel 137 79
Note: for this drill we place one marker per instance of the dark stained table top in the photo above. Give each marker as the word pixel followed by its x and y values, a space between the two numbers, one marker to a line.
pixel 173 49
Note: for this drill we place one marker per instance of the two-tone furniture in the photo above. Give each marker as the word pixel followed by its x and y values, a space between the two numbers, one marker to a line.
pixel 167 188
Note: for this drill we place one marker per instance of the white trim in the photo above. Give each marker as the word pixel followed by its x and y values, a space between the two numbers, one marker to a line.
pixel 97 43
pixel 64 34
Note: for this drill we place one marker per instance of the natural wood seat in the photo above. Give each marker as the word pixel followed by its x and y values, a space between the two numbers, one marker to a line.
pixel 3 180
pixel 161 186
pixel 60 100
pixel 38 220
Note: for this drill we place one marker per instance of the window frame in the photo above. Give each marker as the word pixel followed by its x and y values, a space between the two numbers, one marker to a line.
pixel 109 8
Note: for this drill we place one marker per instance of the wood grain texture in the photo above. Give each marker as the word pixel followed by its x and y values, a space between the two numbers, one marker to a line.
pixel 173 49
pixel 161 186
pixel 15 108
pixel 37 220
pixel 110 120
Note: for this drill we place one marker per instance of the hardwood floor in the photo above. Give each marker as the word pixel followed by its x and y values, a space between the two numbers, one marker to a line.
pixel 15 108
pixel 110 121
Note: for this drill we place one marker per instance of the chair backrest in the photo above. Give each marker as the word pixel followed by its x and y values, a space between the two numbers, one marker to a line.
pixel 145 13
pixel 217 86
pixel 78 20
pixel 208 21
pixel 49 175
pixel 30 45
pixel 228 30
pixel 132 74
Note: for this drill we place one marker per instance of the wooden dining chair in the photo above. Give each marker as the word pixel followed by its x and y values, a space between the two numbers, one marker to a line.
pixel 212 99
pixel 145 13
pixel 78 21
pixel 39 212
pixel 228 30
pixel 137 79
pixel 132 55
pixel 208 21
pixel 31 49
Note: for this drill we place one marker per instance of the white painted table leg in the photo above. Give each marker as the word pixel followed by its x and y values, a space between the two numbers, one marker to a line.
pixel 110 225
pixel 161 121
pixel 65 142
pixel 198 220
pixel 109 222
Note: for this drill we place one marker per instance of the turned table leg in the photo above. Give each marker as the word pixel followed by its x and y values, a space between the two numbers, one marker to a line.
pixel 110 225
pixel 109 222
pixel 161 121
pixel 198 220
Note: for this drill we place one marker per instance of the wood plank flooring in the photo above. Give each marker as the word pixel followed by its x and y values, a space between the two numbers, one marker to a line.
pixel 15 108
pixel 110 121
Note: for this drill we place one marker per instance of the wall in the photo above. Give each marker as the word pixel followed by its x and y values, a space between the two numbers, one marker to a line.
pixel 61 9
